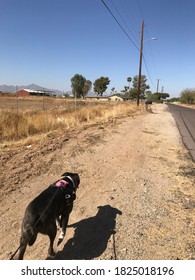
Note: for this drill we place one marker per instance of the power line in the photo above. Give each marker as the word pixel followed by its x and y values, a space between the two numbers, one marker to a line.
pixel 140 9
pixel 146 66
pixel 126 8
pixel 120 25
pixel 122 18
pixel 144 59
pixel 149 50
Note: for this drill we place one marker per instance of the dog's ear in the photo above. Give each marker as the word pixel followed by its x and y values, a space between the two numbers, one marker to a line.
pixel 66 174
pixel 75 177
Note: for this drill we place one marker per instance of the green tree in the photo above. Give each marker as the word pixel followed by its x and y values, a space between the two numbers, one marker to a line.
pixel 174 99
pixel 86 88
pixel 100 85
pixel 164 95
pixel 187 96
pixel 158 96
pixel 77 84
pixel 129 79
pixel 126 89
pixel 143 86
pixel 112 90
pixel 148 95
pixel 133 93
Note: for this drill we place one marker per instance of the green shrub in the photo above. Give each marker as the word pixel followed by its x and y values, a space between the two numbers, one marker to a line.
pixel 187 96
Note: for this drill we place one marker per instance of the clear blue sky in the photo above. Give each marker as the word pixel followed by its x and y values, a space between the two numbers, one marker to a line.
pixel 47 42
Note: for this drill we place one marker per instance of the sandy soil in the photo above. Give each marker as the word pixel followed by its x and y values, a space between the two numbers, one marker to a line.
pixel 136 198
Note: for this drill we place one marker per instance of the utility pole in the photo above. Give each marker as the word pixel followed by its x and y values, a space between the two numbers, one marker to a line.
pixel 157 85
pixel 17 99
pixel 17 110
pixel 140 61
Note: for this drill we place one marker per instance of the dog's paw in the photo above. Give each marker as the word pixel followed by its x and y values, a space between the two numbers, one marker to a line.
pixel 59 241
pixel 52 256
pixel 51 253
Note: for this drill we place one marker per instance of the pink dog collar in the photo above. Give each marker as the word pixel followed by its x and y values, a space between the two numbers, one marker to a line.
pixel 61 183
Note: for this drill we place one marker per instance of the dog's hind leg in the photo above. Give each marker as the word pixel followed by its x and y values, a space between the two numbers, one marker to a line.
pixel 23 245
pixel 52 234
pixel 27 237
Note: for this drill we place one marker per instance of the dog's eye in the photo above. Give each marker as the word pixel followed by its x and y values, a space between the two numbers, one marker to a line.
pixel 67 196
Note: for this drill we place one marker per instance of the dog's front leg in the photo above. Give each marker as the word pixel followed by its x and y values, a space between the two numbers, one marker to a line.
pixel 64 222
pixel 58 219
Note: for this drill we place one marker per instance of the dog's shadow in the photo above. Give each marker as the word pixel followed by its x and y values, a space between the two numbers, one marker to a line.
pixel 91 235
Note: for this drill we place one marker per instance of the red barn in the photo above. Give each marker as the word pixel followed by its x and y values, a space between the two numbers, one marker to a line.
pixel 23 92
pixel 32 92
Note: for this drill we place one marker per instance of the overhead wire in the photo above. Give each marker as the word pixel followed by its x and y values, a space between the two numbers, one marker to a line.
pixel 125 7
pixel 144 54
pixel 128 36
pixel 120 25
pixel 148 71
pixel 140 8
pixel 151 57
pixel 122 18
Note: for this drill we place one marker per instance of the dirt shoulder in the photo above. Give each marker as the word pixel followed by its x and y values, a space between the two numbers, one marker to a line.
pixel 136 199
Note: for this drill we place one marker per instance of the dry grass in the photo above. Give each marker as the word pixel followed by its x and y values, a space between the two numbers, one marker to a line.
pixel 21 125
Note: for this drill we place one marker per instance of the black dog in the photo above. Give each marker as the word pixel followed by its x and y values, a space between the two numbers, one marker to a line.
pixel 54 203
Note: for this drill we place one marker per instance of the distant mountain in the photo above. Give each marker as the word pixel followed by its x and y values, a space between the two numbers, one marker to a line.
pixel 91 94
pixel 33 86
pixel 6 88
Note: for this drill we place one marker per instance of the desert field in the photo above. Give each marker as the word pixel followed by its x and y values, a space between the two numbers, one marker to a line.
pixel 25 117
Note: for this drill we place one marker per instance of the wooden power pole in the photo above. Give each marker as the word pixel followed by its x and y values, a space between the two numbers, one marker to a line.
pixel 140 62
pixel 157 85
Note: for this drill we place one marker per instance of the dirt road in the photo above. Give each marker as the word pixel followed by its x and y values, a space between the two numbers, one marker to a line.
pixel 137 194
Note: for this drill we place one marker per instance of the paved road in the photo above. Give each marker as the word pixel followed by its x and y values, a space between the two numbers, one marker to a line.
pixel 185 120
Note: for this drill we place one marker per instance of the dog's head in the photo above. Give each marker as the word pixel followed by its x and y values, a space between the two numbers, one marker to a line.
pixel 73 178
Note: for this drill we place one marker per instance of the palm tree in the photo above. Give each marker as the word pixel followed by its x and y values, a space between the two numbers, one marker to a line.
pixel 129 79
